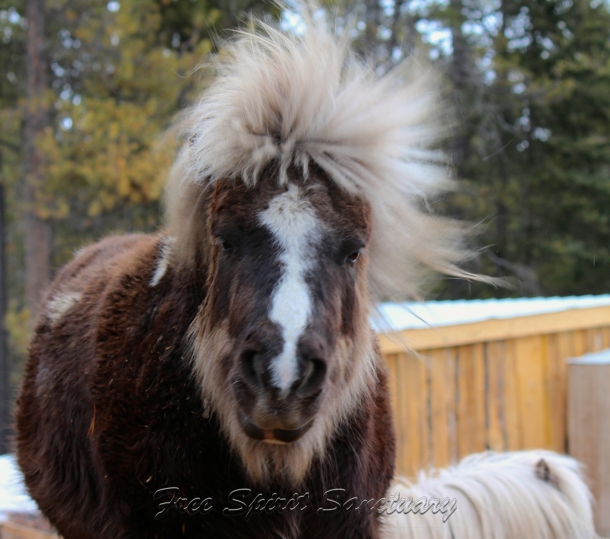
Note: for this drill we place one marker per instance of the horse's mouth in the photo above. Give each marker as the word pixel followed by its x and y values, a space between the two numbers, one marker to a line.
pixel 272 436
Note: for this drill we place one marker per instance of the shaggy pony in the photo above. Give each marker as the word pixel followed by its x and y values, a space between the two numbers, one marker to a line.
pixel 232 351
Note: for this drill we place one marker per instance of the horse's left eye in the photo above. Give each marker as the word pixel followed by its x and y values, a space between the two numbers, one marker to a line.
pixel 352 257
pixel 350 250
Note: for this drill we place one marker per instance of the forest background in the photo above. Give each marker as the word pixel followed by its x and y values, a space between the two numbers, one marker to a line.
pixel 89 88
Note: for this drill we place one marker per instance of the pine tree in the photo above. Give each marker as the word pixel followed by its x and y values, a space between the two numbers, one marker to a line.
pixel 535 173
pixel 12 85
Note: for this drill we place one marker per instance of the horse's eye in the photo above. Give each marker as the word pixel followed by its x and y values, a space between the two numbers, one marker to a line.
pixel 351 249
pixel 352 257
pixel 226 246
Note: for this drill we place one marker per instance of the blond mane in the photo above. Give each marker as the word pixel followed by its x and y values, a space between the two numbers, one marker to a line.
pixel 300 99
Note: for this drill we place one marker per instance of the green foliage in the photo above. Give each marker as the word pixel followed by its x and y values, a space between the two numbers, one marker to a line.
pixel 113 153
pixel 106 150
pixel 537 160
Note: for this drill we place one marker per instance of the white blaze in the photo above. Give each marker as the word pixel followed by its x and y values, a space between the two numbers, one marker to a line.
pixel 295 227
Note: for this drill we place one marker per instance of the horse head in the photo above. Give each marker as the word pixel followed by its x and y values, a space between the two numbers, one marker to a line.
pixel 300 192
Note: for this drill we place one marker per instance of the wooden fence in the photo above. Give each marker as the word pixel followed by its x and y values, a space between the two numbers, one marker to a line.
pixel 497 384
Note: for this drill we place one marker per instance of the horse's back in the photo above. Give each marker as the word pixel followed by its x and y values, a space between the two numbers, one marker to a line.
pixel 55 414
pixel 98 262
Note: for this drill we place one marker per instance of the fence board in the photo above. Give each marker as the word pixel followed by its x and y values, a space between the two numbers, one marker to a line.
pixel 579 343
pixel 470 400
pixel 593 338
pixel 530 375
pixel 559 346
pixel 398 400
pixel 495 362
pixel 442 401
pixel 606 337
pixel 411 414
pixel 512 414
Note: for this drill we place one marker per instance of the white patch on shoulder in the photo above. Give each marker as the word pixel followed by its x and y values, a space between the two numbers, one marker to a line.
pixel 61 304
pixel 163 261
pixel 296 228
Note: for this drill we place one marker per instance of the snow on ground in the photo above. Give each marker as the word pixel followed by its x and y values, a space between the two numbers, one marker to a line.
pixel 419 315
pixel 13 496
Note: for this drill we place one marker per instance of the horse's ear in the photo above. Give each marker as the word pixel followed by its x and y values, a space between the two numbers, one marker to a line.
pixel 543 472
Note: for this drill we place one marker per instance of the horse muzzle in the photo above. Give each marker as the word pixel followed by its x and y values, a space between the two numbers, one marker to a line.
pixel 268 413
pixel 272 435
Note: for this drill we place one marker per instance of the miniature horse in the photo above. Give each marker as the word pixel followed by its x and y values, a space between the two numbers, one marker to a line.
pixel 221 379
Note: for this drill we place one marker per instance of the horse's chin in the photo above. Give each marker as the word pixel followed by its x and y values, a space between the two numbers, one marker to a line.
pixel 272 436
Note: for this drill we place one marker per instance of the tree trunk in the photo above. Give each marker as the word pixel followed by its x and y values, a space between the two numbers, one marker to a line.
pixel 370 32
pixel 37 231
pixel 5 368
pixel 411 33
pixel 460 75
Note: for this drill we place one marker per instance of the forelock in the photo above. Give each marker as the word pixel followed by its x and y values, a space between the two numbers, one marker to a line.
pixel 298 100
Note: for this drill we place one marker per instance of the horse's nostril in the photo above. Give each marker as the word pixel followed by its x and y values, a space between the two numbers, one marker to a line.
pixel 256 374
pixel 312 377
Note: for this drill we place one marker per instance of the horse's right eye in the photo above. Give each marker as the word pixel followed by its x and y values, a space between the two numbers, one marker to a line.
pixel 225 245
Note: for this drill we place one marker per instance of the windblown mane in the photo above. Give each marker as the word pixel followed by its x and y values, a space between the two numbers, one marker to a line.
pixel 292 100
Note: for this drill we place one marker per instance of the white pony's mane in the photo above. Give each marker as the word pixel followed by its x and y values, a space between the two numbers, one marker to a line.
pixel 296 100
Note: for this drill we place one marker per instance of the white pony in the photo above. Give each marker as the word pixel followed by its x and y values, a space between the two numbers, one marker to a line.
pixel 522 495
